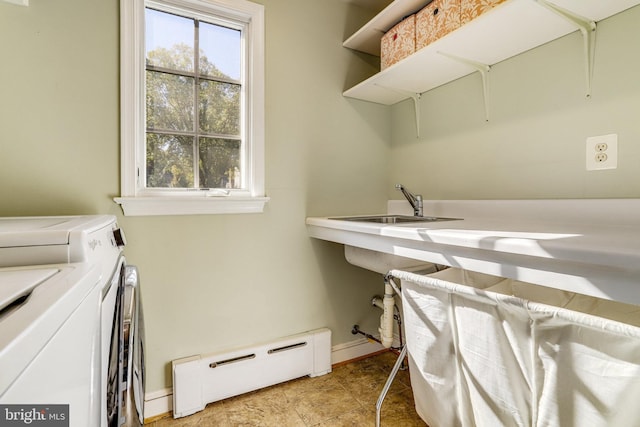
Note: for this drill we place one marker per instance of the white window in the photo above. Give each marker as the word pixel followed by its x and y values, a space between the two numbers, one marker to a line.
pixel 192 107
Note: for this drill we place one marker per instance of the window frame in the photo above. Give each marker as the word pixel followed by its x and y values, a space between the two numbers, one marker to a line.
pixel 136 199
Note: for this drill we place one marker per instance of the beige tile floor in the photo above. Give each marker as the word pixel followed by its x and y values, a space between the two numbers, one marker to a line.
pixel 345 397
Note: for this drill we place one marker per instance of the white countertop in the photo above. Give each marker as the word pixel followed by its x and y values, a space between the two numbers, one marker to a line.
pixel 586 246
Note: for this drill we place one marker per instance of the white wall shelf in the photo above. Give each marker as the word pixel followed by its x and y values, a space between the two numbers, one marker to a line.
pixel 509 29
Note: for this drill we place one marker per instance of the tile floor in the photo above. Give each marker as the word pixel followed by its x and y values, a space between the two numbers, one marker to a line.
pixel 345 397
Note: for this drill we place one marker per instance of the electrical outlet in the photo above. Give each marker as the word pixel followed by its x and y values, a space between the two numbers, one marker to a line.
pixel 601 157
pixel 602 152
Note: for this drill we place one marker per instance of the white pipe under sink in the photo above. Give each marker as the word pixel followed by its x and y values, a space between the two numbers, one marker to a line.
pixel 386 320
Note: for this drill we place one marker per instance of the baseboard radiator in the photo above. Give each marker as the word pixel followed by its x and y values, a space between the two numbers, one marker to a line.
pixel 202 379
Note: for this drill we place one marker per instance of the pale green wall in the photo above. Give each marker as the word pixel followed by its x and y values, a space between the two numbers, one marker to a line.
pixel 534 144
pixel 59 107
pixel 209 282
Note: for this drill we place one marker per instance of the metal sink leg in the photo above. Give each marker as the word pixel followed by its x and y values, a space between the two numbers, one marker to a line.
pixel 387 385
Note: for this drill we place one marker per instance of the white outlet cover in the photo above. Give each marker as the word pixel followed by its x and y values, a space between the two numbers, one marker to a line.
pixel 611 152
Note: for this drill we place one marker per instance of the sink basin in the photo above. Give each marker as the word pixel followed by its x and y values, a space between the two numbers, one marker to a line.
pixel 393 219
pixel 382 262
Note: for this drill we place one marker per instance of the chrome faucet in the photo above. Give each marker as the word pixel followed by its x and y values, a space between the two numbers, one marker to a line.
pixel 414 200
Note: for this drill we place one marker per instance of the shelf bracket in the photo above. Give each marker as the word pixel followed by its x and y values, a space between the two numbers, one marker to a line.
pixel 587 28
pixel 416 104
pixel 416 109
pixel 483 69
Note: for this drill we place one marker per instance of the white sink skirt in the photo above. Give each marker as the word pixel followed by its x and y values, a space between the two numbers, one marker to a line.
pixel 489 351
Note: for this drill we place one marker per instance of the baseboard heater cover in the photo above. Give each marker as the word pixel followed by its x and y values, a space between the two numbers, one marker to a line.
pixel 202 379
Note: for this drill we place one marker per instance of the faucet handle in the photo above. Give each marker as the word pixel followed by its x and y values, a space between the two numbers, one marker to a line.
pixel 418 209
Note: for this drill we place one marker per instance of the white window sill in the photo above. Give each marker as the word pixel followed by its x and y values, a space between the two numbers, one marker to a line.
pixel 18 2
pixel 147 206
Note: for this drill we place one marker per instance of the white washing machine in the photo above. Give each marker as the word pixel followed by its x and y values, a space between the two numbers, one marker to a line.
pixel 71 328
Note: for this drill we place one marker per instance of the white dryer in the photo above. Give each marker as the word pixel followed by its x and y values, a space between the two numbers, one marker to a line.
pixel 71 329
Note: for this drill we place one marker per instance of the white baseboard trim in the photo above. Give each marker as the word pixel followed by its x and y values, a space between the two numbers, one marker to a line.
pixel 160 402
pixel 157 403
pixel 353 350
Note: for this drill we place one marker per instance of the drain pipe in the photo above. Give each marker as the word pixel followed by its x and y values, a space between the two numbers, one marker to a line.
pixel 390 313
pixel 386 320
pixel 376 301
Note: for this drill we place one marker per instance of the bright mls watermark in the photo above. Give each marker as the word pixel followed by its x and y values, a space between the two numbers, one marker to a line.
pixel 34 415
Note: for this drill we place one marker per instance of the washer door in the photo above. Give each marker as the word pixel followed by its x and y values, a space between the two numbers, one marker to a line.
pixel 132 356
pixel 112 319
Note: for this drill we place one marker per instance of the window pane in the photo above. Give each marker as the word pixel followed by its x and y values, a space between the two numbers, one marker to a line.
pixel 169 161
pixel 169 40
pixel 220 163
pixel 219 51
pixel 170 102
pixel 219 108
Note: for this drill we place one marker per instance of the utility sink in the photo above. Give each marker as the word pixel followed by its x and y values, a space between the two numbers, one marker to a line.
pixel 383 262
pixel 393 219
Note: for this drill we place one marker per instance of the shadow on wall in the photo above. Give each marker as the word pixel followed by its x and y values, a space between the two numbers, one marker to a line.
pixel 361 65
pixel 360 12
pixel 40 202
pixel 545 85
pixel 347 282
